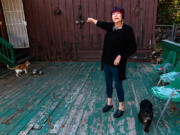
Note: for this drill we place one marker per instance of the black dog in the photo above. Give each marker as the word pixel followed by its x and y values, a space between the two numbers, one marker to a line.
pixel 146 114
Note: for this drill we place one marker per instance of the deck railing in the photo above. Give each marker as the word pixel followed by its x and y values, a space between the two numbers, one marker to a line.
pixel 168 32
pixel 6 53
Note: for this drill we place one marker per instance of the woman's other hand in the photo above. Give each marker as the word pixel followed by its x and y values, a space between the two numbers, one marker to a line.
pixel 117 60
pixel 91 20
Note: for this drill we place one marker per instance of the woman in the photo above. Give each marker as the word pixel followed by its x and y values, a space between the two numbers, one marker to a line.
pixel 119 44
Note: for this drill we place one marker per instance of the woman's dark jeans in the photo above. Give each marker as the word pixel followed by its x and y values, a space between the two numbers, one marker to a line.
pixel 111 73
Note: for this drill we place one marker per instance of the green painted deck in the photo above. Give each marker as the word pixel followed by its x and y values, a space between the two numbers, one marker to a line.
pixel 68 98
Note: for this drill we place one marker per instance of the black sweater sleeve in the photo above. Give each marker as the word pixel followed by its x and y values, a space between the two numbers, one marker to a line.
pixel 130 47
pixel 104 25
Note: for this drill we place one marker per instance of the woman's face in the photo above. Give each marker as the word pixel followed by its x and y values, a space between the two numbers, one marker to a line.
pixel 116 17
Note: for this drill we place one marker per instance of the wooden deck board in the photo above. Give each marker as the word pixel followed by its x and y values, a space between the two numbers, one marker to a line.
pixel 57 88
pixel 69 97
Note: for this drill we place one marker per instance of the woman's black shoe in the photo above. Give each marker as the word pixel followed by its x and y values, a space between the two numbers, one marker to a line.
pixel 118 113
pixel 107 108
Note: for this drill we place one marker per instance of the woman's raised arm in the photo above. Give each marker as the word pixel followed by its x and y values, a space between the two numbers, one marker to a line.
pixel 103 25
pixel 91 20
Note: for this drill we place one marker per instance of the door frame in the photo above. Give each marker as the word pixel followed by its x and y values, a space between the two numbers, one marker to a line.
pixel 3 28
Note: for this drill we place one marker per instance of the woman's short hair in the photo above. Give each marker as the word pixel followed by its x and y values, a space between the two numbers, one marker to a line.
pixel 118 9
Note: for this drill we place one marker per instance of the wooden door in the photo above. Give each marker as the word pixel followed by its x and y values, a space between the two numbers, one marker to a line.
pixel 89 38
pixel 51 29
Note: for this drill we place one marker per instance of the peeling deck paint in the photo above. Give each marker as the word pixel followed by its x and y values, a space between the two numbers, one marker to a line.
pixel 68 98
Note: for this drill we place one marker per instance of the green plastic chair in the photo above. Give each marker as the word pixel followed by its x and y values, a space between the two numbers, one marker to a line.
pixel 171 59
pixel 171 76
pixel 169 92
